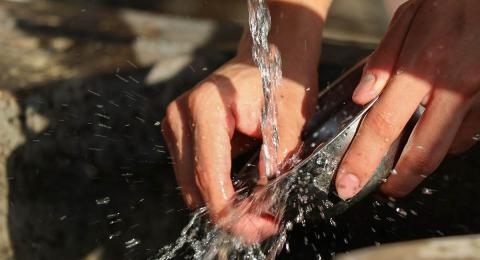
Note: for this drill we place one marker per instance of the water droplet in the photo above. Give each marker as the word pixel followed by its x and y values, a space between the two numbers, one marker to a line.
pixel 115 221
pixel 132 243
pixel 403 213
pixel 332 222
pixel 114 235
pixel 476 137
pixel 427 191
pixel 103 201
pixel 420 147
pixel 393 172
pixel 289 225
pixel 113 215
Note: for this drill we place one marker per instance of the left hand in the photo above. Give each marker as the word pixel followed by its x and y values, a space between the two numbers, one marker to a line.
pixel 429 56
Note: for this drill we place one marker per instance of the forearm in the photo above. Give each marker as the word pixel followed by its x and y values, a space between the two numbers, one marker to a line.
pixel 297 27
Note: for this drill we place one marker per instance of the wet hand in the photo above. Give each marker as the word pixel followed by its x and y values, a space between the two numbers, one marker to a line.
pixel 429 56
pixel 205 127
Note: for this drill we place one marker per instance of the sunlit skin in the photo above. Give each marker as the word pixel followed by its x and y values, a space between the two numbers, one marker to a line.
pixel 429 56
pixel 208 125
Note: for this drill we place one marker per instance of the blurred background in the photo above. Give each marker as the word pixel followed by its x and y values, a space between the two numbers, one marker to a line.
pixel 84 173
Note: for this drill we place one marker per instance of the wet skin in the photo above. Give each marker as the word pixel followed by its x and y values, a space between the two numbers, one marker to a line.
pixel 429 56
pixel 217 119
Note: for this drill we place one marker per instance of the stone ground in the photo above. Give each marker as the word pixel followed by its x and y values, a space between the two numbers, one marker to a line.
pixel 83 169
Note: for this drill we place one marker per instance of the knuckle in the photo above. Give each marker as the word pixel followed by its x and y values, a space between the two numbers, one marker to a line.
pixel 405 6
pixel 409 6
pixel 200 97
pixel 172 114
pixel 469 83
pixel 171 110
pixel 383 125
pixel 419 163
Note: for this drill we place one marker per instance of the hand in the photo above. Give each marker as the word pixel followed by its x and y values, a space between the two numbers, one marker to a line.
pixel 219 117
pixel 206 125
pixel 429 56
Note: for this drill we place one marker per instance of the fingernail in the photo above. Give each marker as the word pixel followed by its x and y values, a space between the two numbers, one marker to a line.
pixel 347 186
pixel 366 88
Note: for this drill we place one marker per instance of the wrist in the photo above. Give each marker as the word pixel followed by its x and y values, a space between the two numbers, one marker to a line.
pixel 296 30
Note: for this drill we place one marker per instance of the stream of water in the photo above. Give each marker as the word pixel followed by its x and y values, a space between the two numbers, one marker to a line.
pixel 268 59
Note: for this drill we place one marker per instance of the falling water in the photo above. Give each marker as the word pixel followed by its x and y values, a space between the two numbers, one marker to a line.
pixel 267 57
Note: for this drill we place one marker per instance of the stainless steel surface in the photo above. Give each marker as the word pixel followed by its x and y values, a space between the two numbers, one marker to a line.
pixel 331 131
pixel 325 141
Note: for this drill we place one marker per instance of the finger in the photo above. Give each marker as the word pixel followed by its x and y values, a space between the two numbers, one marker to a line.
pixel 380 64
pixel 212 152
pixel 179 142
pixel 429 142
pixel 380 128
pixel 255 228
pixel 469 133
pixel 250 220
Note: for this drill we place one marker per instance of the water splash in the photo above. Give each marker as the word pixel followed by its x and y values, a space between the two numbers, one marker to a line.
pixel 289 199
